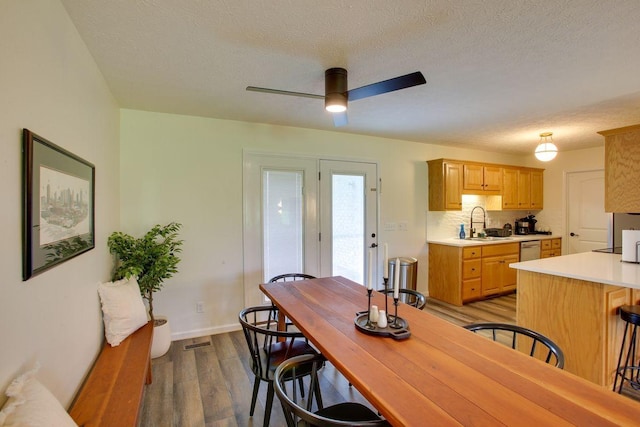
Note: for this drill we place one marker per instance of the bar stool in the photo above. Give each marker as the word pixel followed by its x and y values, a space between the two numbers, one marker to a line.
pixel 631 316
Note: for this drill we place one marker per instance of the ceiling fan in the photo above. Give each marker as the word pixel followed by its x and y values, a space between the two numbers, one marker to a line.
pixel 337 95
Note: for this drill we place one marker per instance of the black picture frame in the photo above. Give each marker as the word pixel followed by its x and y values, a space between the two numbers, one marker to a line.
pixel 58 191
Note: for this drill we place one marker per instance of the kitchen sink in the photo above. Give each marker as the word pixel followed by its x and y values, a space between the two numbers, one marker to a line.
pixel 489 238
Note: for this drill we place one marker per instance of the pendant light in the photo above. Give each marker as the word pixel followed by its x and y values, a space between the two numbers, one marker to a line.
pixel 546 149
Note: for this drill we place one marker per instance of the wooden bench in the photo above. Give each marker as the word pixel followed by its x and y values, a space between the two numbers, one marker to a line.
pixel 112 393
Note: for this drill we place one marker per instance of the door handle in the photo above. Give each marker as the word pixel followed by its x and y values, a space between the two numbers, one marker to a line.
pixel 373 245
pixel 572 234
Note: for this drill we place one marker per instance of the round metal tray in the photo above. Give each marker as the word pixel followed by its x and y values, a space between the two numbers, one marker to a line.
pixel 397 334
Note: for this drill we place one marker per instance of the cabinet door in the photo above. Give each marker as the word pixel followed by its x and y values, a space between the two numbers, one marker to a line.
pixel 473 177
pixel 492 178
pixel 536 190
pixel 524 189
pixel 509 188
pixel 453 186
pixel 491 275
pixel 509 275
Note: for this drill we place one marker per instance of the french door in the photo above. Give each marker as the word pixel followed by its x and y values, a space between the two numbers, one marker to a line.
pixel 289 228
pixel 348 219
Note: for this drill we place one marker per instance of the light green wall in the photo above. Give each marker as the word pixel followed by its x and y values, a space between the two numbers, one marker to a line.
pixel 189 169
pixel 50 84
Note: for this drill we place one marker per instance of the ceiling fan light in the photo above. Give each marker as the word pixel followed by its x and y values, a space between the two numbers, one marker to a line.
pixel 546 149
pixel 335 90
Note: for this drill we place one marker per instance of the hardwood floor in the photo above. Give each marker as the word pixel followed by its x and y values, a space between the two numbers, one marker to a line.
pixel 210 382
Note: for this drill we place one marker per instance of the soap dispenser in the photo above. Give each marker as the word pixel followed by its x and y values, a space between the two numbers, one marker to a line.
pixel 462 235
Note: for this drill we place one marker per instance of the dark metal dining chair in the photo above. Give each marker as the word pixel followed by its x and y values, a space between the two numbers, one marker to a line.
pixel 268 347
pixel 288 277
pixel 508 334
pixel 410 297
pixel 301 413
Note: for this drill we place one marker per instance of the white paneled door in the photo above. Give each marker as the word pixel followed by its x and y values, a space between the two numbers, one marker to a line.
pixel 586 219
pixel 305 215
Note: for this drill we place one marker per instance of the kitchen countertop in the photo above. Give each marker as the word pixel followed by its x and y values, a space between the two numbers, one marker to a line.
pixel 588 266
pixel 455 241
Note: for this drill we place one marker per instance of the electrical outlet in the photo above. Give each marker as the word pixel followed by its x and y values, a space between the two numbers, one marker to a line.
pixel 390 226
pixel 200 307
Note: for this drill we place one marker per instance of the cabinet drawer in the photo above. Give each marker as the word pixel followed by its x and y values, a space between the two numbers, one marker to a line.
pixel 471 252
pixel 471 289
pixel 501 249
pixel 471 268
pixel 556 243
pixel 545 244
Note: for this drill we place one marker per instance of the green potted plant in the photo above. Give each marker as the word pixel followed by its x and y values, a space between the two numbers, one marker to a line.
pixel 152 259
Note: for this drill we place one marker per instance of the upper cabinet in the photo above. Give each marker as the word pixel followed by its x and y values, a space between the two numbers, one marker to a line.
pixel 446 178
pixel 510 187
pixel 621 171
pixel 479 179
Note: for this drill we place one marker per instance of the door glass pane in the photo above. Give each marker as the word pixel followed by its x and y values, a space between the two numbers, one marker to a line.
pixel 283 222
pixel 348 226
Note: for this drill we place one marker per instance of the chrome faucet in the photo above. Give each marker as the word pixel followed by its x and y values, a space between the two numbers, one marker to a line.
pixel 484 220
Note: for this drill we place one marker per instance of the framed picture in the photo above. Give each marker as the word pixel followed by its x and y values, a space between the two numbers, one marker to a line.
pixel 58 190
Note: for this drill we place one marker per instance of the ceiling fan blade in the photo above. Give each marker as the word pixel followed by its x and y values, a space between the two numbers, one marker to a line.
pixel 284 92
pixel 397 83
pixel 340 119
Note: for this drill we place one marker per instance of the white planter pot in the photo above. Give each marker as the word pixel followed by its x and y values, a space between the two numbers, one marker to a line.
pixel 161 337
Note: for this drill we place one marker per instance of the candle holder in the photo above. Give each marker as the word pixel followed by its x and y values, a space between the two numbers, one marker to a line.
pixel 369 324
pixel 393 320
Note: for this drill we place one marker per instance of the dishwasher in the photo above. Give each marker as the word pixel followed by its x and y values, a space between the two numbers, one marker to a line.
pixel 529 250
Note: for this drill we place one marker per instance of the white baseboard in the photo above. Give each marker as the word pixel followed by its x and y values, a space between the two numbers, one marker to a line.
pixel 195 333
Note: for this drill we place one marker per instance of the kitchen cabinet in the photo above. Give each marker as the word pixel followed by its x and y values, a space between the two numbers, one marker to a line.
pixel 506 187
pixel 580 316
pixel 497 277
pixel 537 185
pixel 481 179
pixel 522 188
pixel 550 247
pixel 509 188
pixel 462 274
pixel 621 172
pixel 445 185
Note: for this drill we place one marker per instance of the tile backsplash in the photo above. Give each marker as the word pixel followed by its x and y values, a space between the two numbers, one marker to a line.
pixel 441 225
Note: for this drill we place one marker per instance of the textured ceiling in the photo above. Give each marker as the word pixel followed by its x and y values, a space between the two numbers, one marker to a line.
pixel 499 72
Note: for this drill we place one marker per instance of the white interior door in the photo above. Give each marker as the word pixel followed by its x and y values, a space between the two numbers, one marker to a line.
pixel 587 221
pixel 348 220
pixel 280 231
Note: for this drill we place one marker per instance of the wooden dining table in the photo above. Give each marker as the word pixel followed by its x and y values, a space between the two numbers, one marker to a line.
pixel 442 374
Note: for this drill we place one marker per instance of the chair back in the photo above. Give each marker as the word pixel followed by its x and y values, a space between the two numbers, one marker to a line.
pixel 269 346
pixel 301 413
pixel 513 335
pixel 291 277
pixel 410 297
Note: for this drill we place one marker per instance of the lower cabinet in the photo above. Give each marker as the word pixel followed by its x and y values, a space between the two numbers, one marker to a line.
pixel 497 277
pixel 458 275
pixel 550 247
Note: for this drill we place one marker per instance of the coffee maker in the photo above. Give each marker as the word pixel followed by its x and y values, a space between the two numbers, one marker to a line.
pixel 522 226
pixel 526 225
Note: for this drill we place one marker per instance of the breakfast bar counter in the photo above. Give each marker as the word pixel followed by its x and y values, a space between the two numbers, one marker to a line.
pixel 574 300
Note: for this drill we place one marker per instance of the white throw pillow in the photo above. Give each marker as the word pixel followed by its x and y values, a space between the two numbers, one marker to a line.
pixel 123 311
pixel 30 404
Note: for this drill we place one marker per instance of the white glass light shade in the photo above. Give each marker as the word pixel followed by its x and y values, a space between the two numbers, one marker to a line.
pixel 336 108
pixel 546 149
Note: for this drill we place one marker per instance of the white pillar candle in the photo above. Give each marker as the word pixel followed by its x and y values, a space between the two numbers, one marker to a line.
pixel 386 262
pixel 370 271
pixel 396 279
